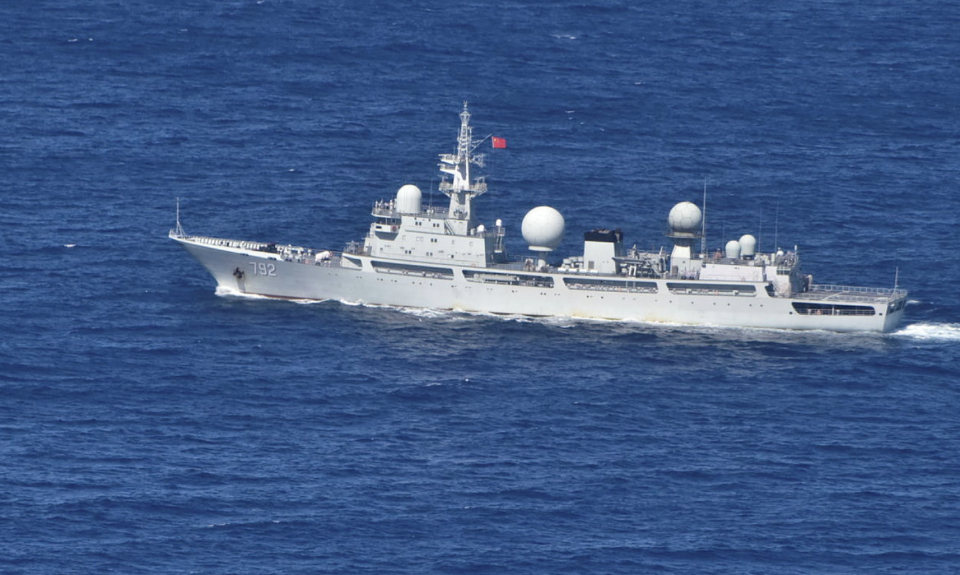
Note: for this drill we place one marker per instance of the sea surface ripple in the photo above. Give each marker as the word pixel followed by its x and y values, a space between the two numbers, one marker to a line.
pixel 151 425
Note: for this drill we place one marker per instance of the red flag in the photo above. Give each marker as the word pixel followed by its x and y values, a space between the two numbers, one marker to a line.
pixel 499 142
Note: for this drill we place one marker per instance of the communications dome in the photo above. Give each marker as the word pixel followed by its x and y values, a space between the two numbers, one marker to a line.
pixel 733 249
pixel 408 199
pixel 748 245
pixel 542 228
pixel 685 217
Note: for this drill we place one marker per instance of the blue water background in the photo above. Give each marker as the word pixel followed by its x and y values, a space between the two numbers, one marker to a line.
pixel 148 425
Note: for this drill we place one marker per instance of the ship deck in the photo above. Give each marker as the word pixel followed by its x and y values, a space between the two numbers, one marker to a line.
pixel 838 293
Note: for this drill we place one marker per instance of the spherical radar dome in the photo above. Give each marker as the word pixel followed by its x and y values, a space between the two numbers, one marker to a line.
pixel 685 217
pixel 732 249
pixel 408 199
pixel 542 228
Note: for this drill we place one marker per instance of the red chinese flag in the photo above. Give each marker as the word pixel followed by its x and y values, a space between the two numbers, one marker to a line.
pixel 499 142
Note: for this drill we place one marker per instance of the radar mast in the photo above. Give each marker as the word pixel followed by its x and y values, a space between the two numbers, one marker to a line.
pixel 461 189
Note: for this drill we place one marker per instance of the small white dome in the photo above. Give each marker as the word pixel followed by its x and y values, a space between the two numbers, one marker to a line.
pixel 685 217
pixel 542 228
pixel 733 249
pixel 748 245
pixel 408 199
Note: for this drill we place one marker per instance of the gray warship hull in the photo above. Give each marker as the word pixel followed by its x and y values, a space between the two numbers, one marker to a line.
pixel 245 268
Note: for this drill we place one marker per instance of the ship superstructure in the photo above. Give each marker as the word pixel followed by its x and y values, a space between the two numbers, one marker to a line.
pixel 403 230
pixel 443 258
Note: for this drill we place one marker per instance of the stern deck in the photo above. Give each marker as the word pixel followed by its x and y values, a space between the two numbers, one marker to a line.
pixel 852 294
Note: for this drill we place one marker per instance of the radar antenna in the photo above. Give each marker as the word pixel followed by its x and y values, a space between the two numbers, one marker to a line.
pixel 461 189
pixel 703 226
pixel 776 227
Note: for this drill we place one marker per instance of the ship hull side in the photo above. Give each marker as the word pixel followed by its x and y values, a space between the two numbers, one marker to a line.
pixel 263 274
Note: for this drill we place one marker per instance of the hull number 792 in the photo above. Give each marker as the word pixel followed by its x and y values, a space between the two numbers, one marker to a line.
pixel 264 269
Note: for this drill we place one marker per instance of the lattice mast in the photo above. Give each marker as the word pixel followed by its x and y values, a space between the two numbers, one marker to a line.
pixel 459 187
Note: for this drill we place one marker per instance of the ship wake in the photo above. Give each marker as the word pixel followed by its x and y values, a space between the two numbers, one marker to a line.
pixel 234 293
pixel 930 331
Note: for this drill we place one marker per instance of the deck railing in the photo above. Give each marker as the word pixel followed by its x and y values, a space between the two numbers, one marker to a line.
pixel 288 253
pixel 853 293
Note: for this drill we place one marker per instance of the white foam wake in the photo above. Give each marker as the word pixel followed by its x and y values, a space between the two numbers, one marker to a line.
pixel 232 292
pixel 427 313
pixel 930 331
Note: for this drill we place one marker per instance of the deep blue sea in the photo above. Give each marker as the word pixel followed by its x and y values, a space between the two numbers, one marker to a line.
pixel 149 425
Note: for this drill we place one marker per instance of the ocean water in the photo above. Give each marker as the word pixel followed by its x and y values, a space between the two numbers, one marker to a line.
pixel 151 425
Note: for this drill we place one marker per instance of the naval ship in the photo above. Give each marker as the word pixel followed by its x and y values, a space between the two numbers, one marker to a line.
pixel 443 257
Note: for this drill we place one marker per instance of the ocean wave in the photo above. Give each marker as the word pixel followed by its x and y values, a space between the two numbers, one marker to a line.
pixel 428 313
pixel 221 291
pixel 231 292
pixel 930 331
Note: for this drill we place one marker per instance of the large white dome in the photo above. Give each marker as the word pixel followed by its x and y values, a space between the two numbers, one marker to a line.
pixel 685 217
pixel 408 199
pixel 542 228
pixel 733 248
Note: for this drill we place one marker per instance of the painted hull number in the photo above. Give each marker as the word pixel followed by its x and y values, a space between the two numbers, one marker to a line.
pixel 264 269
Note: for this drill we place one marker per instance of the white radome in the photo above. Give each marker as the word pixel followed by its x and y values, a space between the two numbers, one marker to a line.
pixel 685 217
pixel 749 245
pixel 409 198
pixel 542 228
pixel 733 249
